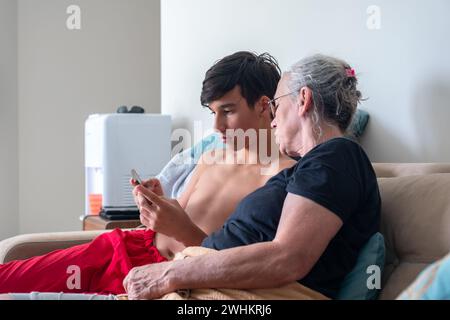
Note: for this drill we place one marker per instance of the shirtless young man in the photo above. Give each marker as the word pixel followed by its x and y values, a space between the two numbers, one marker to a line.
pixel 237 89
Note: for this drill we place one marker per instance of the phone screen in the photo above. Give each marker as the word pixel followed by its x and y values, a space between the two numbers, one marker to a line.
pixel 135 176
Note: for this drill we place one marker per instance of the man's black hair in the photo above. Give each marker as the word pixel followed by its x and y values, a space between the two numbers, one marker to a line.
pixel 256 75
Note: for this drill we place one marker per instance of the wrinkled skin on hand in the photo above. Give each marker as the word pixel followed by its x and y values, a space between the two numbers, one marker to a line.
pixel 148 282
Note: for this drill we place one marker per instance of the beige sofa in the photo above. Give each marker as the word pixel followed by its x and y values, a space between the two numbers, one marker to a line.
pixel 415 223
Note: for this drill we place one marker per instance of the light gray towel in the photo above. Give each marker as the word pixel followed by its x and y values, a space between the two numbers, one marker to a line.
pixel 177 173
pixel 59 296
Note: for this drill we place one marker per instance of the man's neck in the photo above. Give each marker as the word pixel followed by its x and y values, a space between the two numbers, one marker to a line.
pixel 261 153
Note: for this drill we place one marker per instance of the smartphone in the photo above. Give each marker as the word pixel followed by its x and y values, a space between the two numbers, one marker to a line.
pixel 136 177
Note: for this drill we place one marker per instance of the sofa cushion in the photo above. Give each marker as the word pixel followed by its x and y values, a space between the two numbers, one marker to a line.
pixel 354 286
pixel 415 221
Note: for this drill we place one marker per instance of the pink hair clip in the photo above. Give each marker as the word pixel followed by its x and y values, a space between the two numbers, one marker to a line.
pixel 350 73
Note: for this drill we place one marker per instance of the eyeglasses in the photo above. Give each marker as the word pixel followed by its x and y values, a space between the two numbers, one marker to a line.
pixel 274 106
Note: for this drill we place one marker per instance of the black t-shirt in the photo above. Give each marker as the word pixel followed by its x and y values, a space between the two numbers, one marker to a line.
pixel 337 175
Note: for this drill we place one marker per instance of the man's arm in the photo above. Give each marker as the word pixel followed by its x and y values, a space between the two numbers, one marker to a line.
pixel 304 232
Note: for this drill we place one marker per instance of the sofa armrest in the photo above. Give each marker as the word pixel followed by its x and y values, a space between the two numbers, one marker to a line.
pixel 29 245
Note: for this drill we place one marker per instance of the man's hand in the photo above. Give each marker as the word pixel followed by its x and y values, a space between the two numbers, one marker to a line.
pixel 165 216
pixel 153 185
pixel 148 282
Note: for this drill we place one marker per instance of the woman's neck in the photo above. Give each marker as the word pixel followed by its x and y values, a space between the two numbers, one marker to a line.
pixel 314 139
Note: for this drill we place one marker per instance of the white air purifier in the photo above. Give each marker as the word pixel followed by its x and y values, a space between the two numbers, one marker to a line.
pixel 115 144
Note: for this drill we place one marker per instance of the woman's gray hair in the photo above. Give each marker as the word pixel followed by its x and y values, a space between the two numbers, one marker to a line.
pixel 333 84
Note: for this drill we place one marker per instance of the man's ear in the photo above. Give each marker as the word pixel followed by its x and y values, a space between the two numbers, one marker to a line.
pixel 262 104
pixel 305 101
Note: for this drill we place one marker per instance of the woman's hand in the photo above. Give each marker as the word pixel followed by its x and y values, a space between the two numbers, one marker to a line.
pixel 148 282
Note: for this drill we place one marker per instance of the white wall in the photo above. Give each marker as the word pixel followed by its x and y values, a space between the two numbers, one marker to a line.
pixel 9 212
pixel 63 77
pixel 403 68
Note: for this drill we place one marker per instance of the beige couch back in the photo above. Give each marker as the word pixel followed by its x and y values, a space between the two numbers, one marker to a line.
pixel 415 220
pixel 393 170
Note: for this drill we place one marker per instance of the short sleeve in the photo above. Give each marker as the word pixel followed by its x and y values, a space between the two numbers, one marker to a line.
pixel 327 180
pixel 233 234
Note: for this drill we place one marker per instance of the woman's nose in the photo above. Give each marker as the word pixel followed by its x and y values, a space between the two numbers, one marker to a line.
pixel 273 124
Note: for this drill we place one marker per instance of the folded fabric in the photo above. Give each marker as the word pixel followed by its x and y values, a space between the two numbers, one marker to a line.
pixel 59 296
pixel 176 174
pixel 293 291
pixel 209 143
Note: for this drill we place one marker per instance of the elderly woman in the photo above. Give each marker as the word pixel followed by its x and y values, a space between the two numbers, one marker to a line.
pixel 309 222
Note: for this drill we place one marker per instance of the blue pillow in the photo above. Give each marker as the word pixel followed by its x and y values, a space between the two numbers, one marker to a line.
pixel 358 124
pixel 354 286
pixel 432 284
